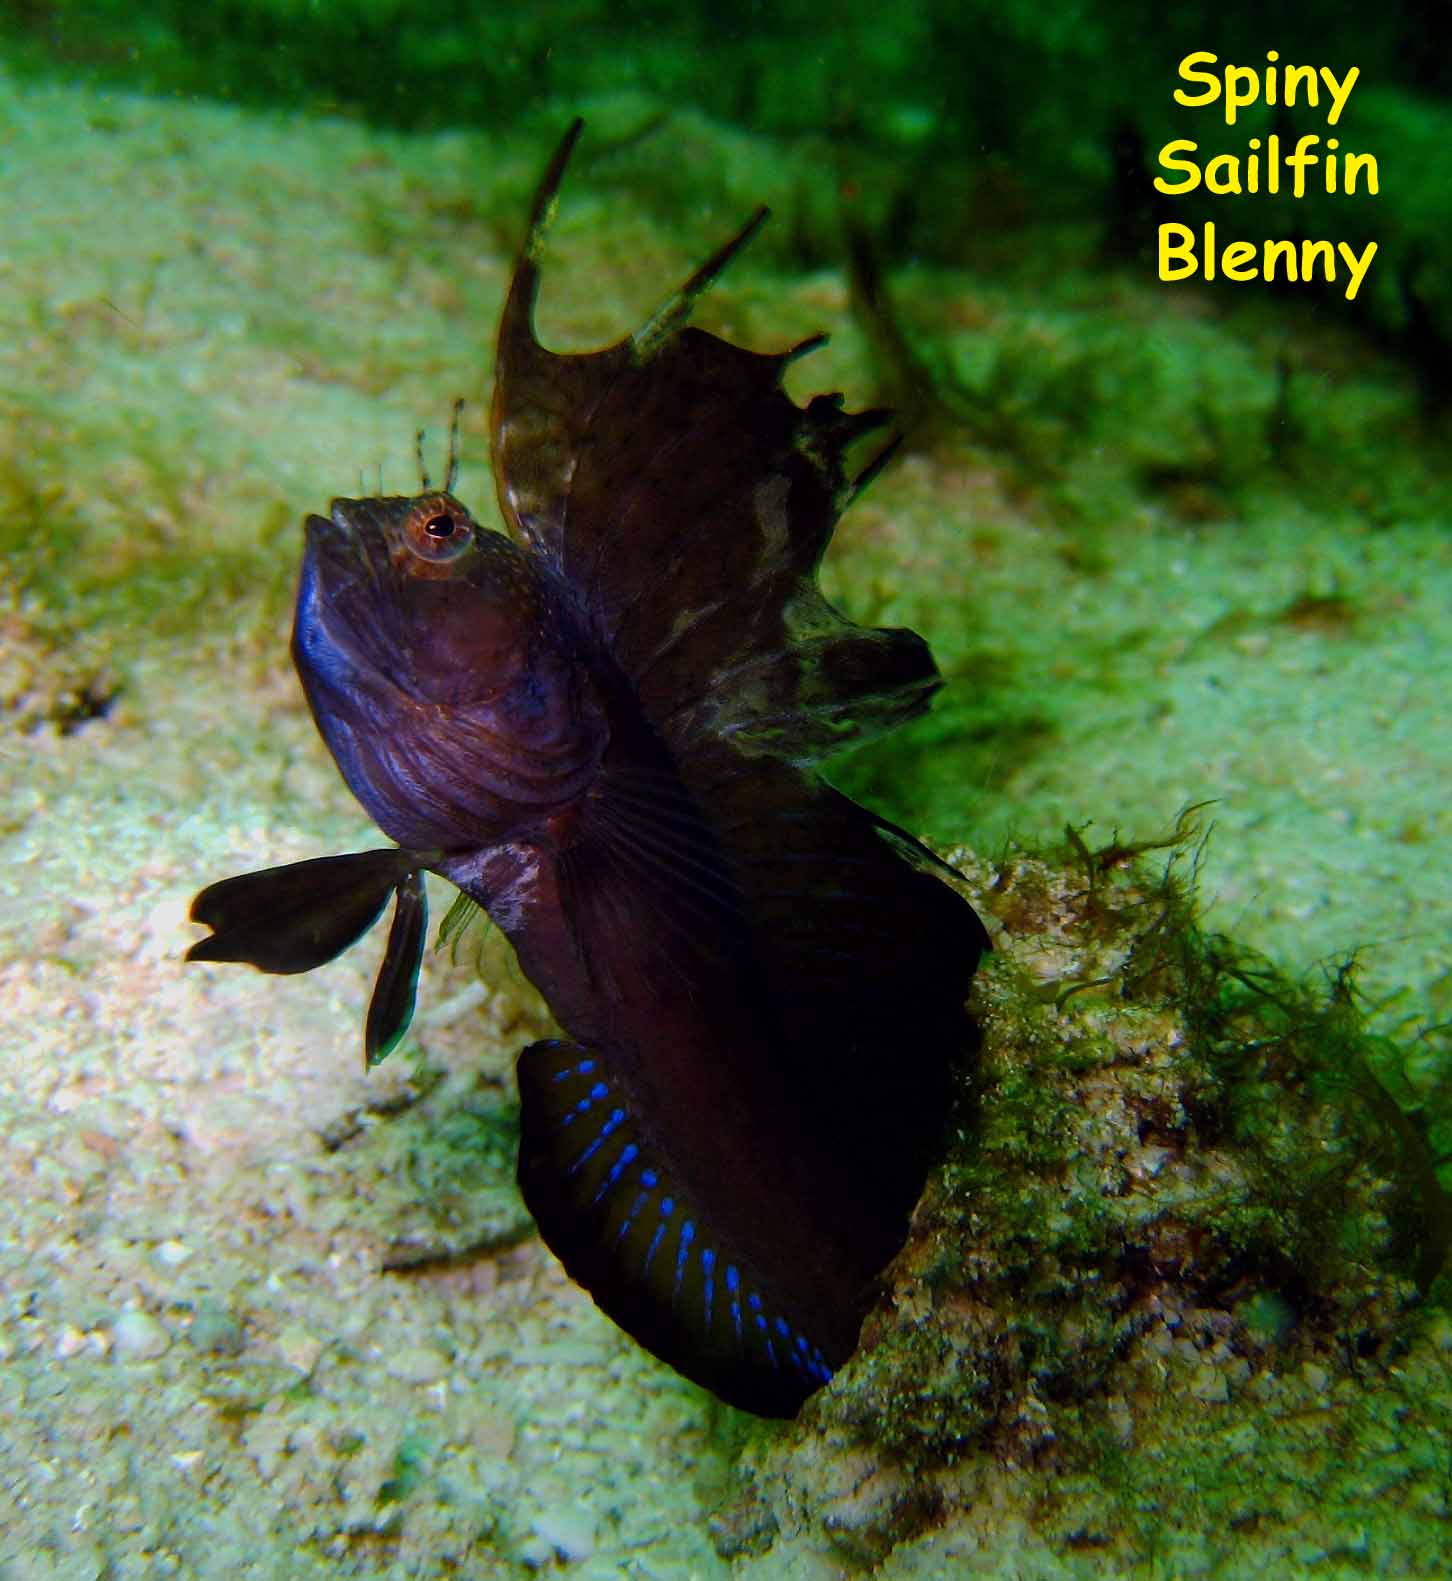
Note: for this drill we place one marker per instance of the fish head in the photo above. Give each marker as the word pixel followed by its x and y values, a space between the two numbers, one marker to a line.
pixel 414 594
pixel 440 672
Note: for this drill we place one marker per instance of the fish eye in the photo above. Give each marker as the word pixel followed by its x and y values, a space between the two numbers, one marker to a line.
pixel 438 528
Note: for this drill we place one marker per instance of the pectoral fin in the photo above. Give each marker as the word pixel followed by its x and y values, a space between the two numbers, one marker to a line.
pixel 391 1008
pixel 293 918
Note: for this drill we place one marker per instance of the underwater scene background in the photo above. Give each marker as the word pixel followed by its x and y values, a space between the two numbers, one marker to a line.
pixel 1176 1300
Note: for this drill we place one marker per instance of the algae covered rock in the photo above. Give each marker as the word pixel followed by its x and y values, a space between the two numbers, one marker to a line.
pixel 1176 1210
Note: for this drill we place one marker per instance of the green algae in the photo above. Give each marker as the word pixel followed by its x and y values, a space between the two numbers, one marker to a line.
pixel 1178 1213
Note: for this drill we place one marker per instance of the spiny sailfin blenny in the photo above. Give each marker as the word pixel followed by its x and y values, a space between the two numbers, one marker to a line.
pixel 601 728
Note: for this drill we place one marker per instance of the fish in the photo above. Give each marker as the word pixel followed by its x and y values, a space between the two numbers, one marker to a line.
pixel 604 726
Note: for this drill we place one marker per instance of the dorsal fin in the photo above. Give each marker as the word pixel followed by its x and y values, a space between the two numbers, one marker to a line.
pixel 684 502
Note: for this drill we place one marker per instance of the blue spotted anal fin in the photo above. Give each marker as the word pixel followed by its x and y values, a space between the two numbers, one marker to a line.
pixel 615 1216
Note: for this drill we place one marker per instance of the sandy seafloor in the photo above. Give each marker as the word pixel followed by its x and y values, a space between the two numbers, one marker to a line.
pixel 211 322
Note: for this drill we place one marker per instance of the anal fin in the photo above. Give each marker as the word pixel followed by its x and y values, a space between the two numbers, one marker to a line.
pixel 618 1217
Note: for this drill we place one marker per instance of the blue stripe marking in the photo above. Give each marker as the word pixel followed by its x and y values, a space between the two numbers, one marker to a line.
pixel 599 1090
pixel 708 1263
pixel 628 1154
pixel 688 1234
pixel 667 1207
pixel 582 1069
pixel 617 1118
pixel 629 1219
pixel 655 1241
pixel 733 1283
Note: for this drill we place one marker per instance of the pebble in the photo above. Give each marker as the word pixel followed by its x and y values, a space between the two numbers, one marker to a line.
pixel 137 1336
pixel 72 1340
pixel 1210 1385
pixel 299 1348
pixel 417 1364
pixel 215 1330
pixel 165 934
pixel 569 1529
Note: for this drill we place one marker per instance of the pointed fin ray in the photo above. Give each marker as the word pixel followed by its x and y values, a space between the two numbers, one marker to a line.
pixel 524 287
pixel 294 918
pixel 875 467
pixel 804 348
pixel 673 317
pixel 617 1218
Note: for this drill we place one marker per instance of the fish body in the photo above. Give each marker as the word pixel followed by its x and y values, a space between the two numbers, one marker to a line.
pixel 601 727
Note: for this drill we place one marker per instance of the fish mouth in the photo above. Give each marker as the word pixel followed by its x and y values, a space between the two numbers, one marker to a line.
pixel 336 546
pixel 336 612
pixel 332 531
pixel 326 535
pixel 347 516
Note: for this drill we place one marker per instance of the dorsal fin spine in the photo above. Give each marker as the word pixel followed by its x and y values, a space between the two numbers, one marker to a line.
pixel 663 324
pixel 518 313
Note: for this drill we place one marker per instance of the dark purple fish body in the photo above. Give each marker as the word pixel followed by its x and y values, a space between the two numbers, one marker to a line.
pixel 441 674
pixel 601 728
